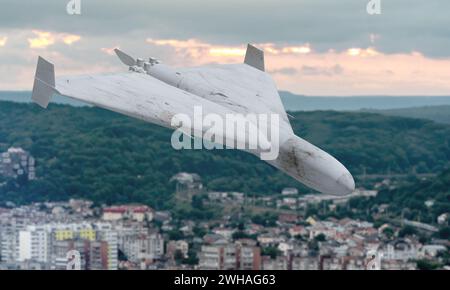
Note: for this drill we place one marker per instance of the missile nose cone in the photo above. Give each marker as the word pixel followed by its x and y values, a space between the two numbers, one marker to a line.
pixel 314 167
pixel 346 183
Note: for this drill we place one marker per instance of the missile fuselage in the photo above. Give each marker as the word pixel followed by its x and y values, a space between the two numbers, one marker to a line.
pixel 297 157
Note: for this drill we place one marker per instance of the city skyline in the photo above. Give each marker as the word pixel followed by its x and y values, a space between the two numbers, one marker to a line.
pixel 214 229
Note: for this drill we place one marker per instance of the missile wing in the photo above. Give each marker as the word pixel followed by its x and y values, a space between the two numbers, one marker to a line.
pixel 133 94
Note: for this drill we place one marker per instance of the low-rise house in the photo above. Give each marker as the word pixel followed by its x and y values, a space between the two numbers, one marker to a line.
pixel 297 230
pixel 289 191
pixel 285 248
pixel 401 249
pixel 269 240
pixel 353 263
pixel 330 263
pixel 214 239
pixel 135 212
pixel 279 263
pixel 227 233
pixel 114 213
pixel 431 251
pixel 180 245
pixel 442 219
pixel 305 263
pixel 288 218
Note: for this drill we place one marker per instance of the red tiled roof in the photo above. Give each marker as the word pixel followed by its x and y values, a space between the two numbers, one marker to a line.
pixel 116 209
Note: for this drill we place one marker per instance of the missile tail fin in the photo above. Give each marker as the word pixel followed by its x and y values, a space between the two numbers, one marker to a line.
pixel 44 83
pixel 254 57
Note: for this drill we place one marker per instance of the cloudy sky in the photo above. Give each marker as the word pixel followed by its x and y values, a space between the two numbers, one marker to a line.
pixel 313 47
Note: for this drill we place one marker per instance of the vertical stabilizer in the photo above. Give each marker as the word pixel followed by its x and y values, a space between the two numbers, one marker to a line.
pixel 254 57
pixel 44 83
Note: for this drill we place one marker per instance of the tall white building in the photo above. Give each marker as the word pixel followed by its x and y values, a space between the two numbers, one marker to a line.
pixel 210 257
pixel 34 244
pixel 17 162
pixel 142 246
pixel 9 237
pixel 8 245
pixel 107 234
pixel 229 257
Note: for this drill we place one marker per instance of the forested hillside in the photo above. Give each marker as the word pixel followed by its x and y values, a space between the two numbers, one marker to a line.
pixel 90 152
pixel 407 201
pixel 413 198
pixel 439 114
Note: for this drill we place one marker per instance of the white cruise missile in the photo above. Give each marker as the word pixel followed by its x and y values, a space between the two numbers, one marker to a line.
pixel 160 94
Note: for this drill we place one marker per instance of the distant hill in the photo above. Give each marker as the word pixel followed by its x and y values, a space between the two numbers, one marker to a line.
pixel 439 114
pixel 25 97
pixel 294 102
pixel 107 157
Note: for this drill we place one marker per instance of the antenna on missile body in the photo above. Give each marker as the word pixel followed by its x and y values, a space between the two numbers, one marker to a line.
pixel 136 65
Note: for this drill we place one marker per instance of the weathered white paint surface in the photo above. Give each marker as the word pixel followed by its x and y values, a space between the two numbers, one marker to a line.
pixel 141 96
pixel 159 92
